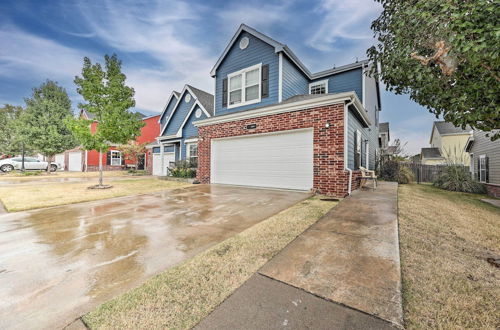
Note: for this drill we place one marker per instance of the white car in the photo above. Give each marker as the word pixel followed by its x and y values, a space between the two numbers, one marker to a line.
pixel 30 163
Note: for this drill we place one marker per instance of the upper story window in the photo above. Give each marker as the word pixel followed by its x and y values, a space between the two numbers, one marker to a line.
pixel 244 86
pixel 318 87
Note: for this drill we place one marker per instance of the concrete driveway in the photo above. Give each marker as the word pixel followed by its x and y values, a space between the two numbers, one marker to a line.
pixel 58 263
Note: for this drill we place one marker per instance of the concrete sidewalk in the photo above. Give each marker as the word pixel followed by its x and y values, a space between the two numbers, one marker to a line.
pixel 341 273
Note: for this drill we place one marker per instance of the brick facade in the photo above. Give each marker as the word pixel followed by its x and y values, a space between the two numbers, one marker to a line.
pixel 330 177
pixel 493 189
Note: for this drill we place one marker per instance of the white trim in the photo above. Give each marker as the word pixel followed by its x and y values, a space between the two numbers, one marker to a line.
pixel 324 81
pixel 280 77
pixel 472 160
pixel 328 99
pixel 363 86
pixel 179 132
pixel 191 140
pixel 193 95
pixel 480 169
pixel 367 155
pixel 111 157
pixel 188 152
pixel 243 73
pixel 166 105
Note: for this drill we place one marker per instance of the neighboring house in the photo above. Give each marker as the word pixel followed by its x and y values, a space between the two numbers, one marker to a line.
pixel 178 138
pixel 447 145
pixel 276 124
pixel 78 159
pixel 485 161
pixel 383 136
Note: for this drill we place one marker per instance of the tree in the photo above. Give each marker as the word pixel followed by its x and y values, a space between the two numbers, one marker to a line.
pixel 108 99
pixel 444 54
pixel 10 141
pixel 132 150
pixel 42 124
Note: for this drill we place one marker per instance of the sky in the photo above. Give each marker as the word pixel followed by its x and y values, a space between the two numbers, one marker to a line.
pixel 166 44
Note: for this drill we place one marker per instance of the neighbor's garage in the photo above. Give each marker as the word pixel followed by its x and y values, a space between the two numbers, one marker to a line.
pixel 275 160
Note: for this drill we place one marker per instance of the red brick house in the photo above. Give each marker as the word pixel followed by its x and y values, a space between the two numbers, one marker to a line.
pixel 82 160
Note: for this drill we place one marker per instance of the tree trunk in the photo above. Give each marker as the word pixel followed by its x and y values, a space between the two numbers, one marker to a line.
pixel 100 167
pixel 49 161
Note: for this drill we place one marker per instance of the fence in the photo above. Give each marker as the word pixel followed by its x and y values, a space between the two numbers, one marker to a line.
pixel 427 173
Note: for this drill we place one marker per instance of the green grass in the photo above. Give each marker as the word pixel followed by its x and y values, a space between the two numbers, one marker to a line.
pixel 181 296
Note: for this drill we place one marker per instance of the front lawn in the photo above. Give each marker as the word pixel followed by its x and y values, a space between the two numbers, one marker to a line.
pixel 445 238
pixel 36 195
pixel 181 296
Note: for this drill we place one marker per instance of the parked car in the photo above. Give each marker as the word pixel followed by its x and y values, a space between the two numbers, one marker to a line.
pixel 30 163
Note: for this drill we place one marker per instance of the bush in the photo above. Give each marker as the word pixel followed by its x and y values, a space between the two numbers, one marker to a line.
pixel 392 170
pixel 405 175
pixel 184 169
pixel 457 178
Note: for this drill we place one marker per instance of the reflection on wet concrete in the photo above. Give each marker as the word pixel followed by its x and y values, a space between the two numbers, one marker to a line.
pixel 12 181
pixel 57 263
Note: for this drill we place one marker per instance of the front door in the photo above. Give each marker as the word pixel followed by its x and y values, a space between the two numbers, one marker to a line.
pixel 141 161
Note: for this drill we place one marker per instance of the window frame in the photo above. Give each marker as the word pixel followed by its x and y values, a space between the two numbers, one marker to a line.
pixel 111 152
pixel 188 150
pixel 243 87
pixel 480 169
pixel 324 81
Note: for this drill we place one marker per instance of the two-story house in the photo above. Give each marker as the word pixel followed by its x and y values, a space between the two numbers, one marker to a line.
pixel 276 124
pixel 178 136
pixel 447 145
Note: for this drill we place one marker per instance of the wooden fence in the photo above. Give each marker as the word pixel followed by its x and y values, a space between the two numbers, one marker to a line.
pixel 427 173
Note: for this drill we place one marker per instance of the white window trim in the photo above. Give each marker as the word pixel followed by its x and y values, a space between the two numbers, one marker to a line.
pixel 188 151
pixel 481 168
pixel 325 81
pixel 243 86
pixel 471 164
pixel 111 157
pixel 367 156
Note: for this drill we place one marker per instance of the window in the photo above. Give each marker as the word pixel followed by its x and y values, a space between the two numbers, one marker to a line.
pixel 318 87
pixel 367 156
pixel 244 86
pixel 483 168
pixel 357 149
pixel 116 158
pixel 192 151
pixel 156 150
pixel 471 166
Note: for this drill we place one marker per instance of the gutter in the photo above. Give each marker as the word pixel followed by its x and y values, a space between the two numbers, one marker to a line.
pixel 289 107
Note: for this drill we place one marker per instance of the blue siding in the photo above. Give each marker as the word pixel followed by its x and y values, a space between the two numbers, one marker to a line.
pixel 294 81
pixel 236 59
pixel 346 81
pixel 166 114
pixel 354 124
pixel 179 115
pixel 189 129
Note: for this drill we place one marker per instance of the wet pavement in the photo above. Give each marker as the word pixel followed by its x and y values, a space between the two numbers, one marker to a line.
pixel 58 263
pixel 29 182
pixel 343 272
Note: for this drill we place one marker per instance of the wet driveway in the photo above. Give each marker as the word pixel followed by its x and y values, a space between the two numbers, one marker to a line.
pixel 58 263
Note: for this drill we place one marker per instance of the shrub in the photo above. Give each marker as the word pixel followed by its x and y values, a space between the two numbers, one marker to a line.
pixel 389 170
pixel 457 178
pixel 405 175
pixel 184 169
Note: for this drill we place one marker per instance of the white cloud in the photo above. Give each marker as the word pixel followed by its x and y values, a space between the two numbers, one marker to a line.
pixel 344 19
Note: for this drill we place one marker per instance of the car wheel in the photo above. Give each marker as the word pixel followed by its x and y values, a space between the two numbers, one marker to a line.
pixel 53 168
pixel 6 168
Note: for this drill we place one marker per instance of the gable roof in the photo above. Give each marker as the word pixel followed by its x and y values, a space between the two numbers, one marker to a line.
pixel 206 99
pixel 446 128
pixel 202 99
pixel 173 94
pixel 280 47
pixel 431 153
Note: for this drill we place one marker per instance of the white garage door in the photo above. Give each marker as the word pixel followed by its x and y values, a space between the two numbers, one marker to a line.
pixel 75 161
pixel 277 160
pixel 157 166
pixel 60 160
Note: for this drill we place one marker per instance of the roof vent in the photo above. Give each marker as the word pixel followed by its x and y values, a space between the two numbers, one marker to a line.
pixel 244 43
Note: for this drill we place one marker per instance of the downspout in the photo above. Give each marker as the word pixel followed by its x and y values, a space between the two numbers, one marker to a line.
pixel 346 128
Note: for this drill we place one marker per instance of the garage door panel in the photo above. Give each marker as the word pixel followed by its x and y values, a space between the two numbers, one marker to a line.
pixel 283 160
